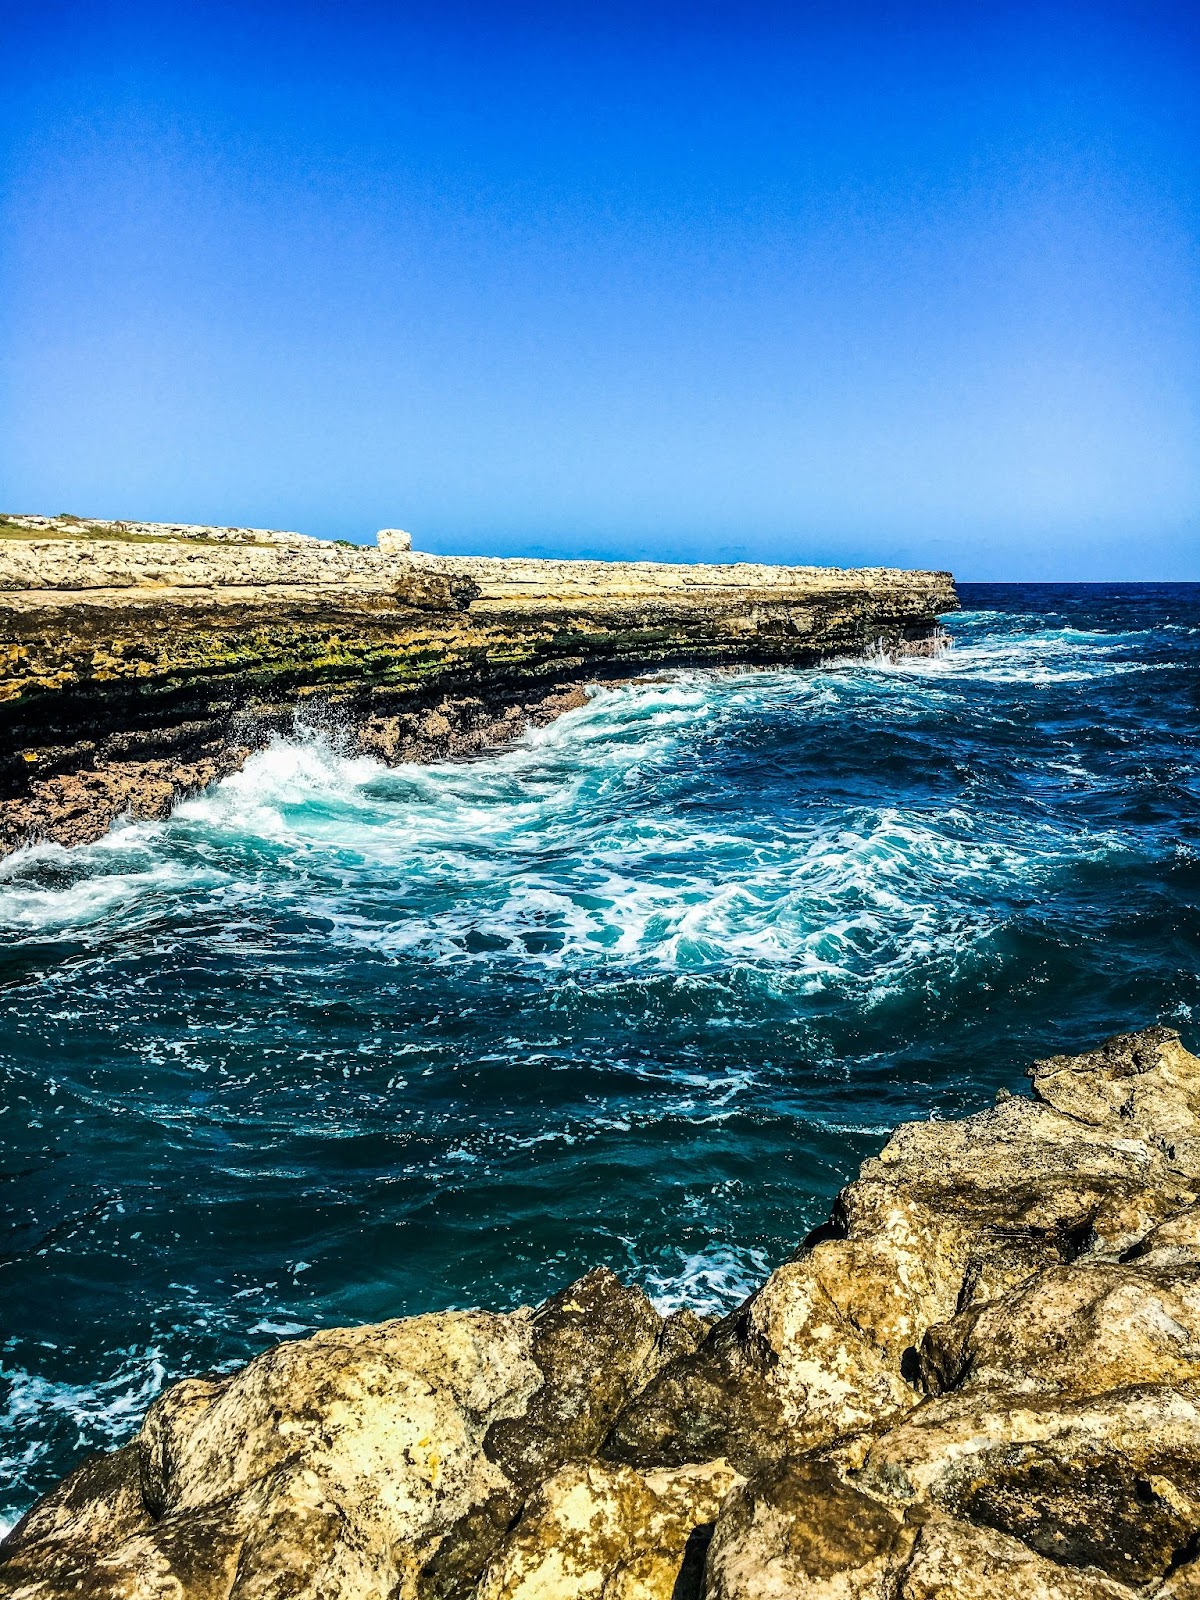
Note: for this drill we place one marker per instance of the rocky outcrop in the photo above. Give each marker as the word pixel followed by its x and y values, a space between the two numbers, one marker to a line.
pixel 139 661
pixel 979 1379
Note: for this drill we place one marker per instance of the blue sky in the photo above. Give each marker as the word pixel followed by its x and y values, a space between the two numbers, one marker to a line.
pixel 836 282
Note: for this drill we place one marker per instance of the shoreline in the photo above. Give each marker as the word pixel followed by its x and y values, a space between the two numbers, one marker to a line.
pixel 974 1380
pixel 81 806
pixel 140 663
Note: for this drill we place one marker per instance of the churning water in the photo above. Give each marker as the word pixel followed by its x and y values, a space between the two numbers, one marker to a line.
pixel 337 1043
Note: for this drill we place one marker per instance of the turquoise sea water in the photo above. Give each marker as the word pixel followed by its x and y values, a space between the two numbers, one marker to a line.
pixel 337 1043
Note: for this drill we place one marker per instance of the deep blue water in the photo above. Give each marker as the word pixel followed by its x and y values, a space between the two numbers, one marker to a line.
pixel 337 1043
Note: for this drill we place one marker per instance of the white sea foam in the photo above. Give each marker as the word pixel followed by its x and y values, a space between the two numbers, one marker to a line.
pixel 887 889
pixel 570 851
pixel 709 1281
pixel 101 1415
pixel 1039 657
pixel 30 904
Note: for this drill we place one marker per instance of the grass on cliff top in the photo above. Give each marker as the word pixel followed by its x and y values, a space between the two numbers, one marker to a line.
pixel 106 532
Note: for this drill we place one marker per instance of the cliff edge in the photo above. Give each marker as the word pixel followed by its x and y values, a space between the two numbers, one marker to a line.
pixel 978 1381
pixel 140 661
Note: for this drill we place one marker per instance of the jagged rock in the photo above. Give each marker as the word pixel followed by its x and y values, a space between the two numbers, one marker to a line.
pixel 981 1378
pixel 955 1561
pixel 1111 1482
pixel 596 1530
pixel 1076 1331
pixel 1183 1584
pixel 1145 1082
pixel 798 1529
pixel 387 1459
pixel 950 1213
pixel 592 1346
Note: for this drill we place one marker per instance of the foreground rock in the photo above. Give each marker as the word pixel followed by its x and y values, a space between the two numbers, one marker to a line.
pixel 980 1379
pixel 140 661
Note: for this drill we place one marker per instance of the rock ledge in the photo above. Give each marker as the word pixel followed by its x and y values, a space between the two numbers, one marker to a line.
pixel 141 661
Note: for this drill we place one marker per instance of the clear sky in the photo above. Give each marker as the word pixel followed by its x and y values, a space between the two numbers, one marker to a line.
pixel 811 282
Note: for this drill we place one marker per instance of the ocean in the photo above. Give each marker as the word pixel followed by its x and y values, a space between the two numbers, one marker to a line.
pixel 337 1042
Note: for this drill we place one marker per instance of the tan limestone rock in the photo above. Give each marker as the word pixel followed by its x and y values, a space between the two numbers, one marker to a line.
pixel 798 1530
pixel 1078 1330
pixel 955 1561
pixel 350 1460
pixel 600 1532
pixel 949 1214
pixel 1144 1083
pixel 1111 1481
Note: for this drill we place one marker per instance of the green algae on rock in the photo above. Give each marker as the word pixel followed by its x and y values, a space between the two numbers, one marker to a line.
pixel 977 1380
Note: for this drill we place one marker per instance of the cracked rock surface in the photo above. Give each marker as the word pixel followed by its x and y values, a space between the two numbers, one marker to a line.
pixel 979 1379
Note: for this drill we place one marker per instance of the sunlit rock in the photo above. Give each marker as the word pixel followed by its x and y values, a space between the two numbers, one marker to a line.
pixel 978 1379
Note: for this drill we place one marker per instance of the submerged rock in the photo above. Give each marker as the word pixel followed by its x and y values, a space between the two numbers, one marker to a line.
pixel 978 1379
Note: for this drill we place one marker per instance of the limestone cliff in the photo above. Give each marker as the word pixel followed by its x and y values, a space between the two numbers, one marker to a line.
pixel 977 1382
pixel 139 660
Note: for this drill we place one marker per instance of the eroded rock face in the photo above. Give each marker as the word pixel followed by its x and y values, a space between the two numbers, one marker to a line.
pixel 140 661
pixel 980 1379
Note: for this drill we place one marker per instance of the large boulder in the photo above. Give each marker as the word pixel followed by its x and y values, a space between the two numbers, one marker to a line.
pixel 385 1460
pixel 949 1214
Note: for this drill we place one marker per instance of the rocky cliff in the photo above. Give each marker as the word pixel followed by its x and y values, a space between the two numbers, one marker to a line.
pixel 139 661
pixel 978 1381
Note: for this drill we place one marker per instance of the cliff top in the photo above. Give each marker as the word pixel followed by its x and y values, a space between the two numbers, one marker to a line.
pixel 41 553
pixel 17 525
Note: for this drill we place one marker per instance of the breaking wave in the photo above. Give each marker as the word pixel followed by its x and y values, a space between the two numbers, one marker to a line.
pixel 583 848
